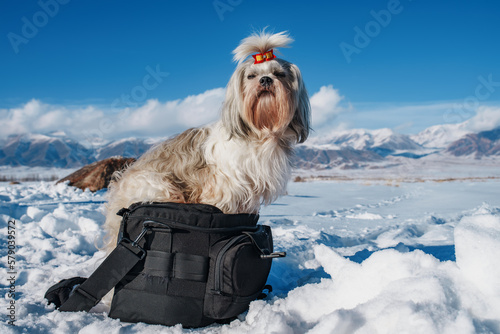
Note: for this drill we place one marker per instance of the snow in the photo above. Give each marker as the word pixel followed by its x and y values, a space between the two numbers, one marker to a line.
pixel 362 258
pixel 362 139
pixel 381 136
pixel 441 135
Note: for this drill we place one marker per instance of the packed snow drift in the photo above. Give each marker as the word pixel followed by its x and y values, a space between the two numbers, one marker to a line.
pixel 362 258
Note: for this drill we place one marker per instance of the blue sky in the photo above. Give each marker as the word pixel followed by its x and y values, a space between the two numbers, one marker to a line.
pixel 88 54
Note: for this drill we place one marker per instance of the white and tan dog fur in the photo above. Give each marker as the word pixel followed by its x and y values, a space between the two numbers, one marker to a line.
pixel 240 161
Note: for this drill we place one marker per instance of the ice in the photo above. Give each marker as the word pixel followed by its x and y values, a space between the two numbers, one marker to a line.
pixel 362 258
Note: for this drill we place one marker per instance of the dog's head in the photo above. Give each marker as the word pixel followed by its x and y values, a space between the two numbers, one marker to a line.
pixel 266 95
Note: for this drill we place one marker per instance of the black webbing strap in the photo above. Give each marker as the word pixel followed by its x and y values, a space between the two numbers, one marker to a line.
pixel 191 267
pixel 178 265
pixel 111 271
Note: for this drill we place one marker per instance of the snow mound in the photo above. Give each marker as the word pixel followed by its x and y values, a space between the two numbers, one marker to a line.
pixel 477 247
pixel 394 292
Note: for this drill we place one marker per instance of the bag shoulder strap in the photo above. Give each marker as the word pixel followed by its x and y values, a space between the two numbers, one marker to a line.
pixel 111 271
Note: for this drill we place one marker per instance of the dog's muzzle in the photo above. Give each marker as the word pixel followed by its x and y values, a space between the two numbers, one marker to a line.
pixel 266 81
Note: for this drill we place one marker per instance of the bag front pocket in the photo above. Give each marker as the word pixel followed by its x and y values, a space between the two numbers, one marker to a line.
pixel 238 274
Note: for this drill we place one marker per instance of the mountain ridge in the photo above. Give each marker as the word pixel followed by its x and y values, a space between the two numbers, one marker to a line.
pixel 347 149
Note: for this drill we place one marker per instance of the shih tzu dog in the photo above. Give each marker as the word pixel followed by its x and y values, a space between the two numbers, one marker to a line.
pixel 240 161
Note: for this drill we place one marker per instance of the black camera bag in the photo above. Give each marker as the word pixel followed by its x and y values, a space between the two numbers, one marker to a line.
pixel 177 263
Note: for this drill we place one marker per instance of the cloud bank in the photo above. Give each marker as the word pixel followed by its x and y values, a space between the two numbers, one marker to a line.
pixel 95 124
pixel 154 118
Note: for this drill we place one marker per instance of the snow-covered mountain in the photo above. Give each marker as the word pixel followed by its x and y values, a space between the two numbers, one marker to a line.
pixel 360 139
pixel 382 142
pixel 310 157
pixel 357 148
pixel 439 136
pixel 128 148
pixel 44 150
pixel 56 150
pixel 485 143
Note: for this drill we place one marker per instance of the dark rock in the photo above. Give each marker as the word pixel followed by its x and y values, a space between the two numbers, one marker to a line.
pixel 97 175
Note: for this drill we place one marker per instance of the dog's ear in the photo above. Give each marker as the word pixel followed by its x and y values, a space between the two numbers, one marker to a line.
pixel 301 119
pixel 233 105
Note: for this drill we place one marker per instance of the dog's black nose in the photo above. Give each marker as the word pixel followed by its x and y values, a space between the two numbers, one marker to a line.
pixel 265 82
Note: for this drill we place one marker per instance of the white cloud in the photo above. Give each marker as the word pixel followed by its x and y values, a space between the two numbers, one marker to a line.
pixel 153 119
pixel 162 119
pixel 486 118
pixel 325 106
pixel 20 120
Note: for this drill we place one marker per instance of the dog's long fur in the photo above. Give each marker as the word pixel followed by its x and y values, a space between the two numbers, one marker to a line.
pixel 237 163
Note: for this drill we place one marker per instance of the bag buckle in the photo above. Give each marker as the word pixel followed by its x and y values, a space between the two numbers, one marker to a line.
pixel 141 235
pixel 136 249
pixel 273 255
pixel 135 243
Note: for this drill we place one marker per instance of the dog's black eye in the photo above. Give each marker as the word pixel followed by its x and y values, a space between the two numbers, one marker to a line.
pixel 251 76
pixel 280 74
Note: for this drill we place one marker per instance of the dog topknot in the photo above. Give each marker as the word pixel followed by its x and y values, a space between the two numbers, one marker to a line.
pixel 260 42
